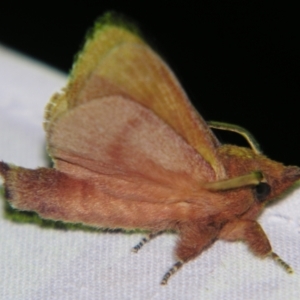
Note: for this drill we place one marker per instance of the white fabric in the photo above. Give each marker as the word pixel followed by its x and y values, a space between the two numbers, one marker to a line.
pixel 37 263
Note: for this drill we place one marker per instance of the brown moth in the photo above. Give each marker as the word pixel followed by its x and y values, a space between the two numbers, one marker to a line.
pixel 130 151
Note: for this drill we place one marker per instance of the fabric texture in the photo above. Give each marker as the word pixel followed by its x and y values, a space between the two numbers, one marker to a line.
pixel 39 263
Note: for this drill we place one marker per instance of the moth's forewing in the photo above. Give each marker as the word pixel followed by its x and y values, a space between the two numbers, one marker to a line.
pixel 119 137
pixel 115 62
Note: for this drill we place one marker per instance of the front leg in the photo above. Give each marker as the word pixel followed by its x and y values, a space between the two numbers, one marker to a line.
pixel 193 239
pixel 252 233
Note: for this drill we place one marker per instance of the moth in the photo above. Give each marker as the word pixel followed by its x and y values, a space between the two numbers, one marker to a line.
pixel 130 151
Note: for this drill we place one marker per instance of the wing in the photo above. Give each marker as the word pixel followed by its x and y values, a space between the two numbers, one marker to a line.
pixel 122 139
pixel 116 62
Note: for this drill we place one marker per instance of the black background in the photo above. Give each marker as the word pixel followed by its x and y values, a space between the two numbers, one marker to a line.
pixel 237 60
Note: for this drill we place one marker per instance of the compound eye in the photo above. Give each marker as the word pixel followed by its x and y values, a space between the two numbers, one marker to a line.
pixel 262 191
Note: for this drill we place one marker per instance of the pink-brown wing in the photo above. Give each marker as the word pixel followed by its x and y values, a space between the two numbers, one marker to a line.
pixel 116 62
pixel 122 139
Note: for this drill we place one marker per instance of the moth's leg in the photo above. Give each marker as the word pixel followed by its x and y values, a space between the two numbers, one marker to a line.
pixel 193 240
pixel 173 270
pixel 252 233
pixel 281 262
pixel 145 240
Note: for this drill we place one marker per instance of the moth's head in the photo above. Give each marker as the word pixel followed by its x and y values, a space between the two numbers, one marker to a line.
pixel 277 178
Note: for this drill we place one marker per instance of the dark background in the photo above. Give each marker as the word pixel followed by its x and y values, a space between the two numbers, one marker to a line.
pixel 238 60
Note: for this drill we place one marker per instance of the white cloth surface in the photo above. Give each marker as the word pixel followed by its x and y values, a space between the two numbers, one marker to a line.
pixel 39 263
